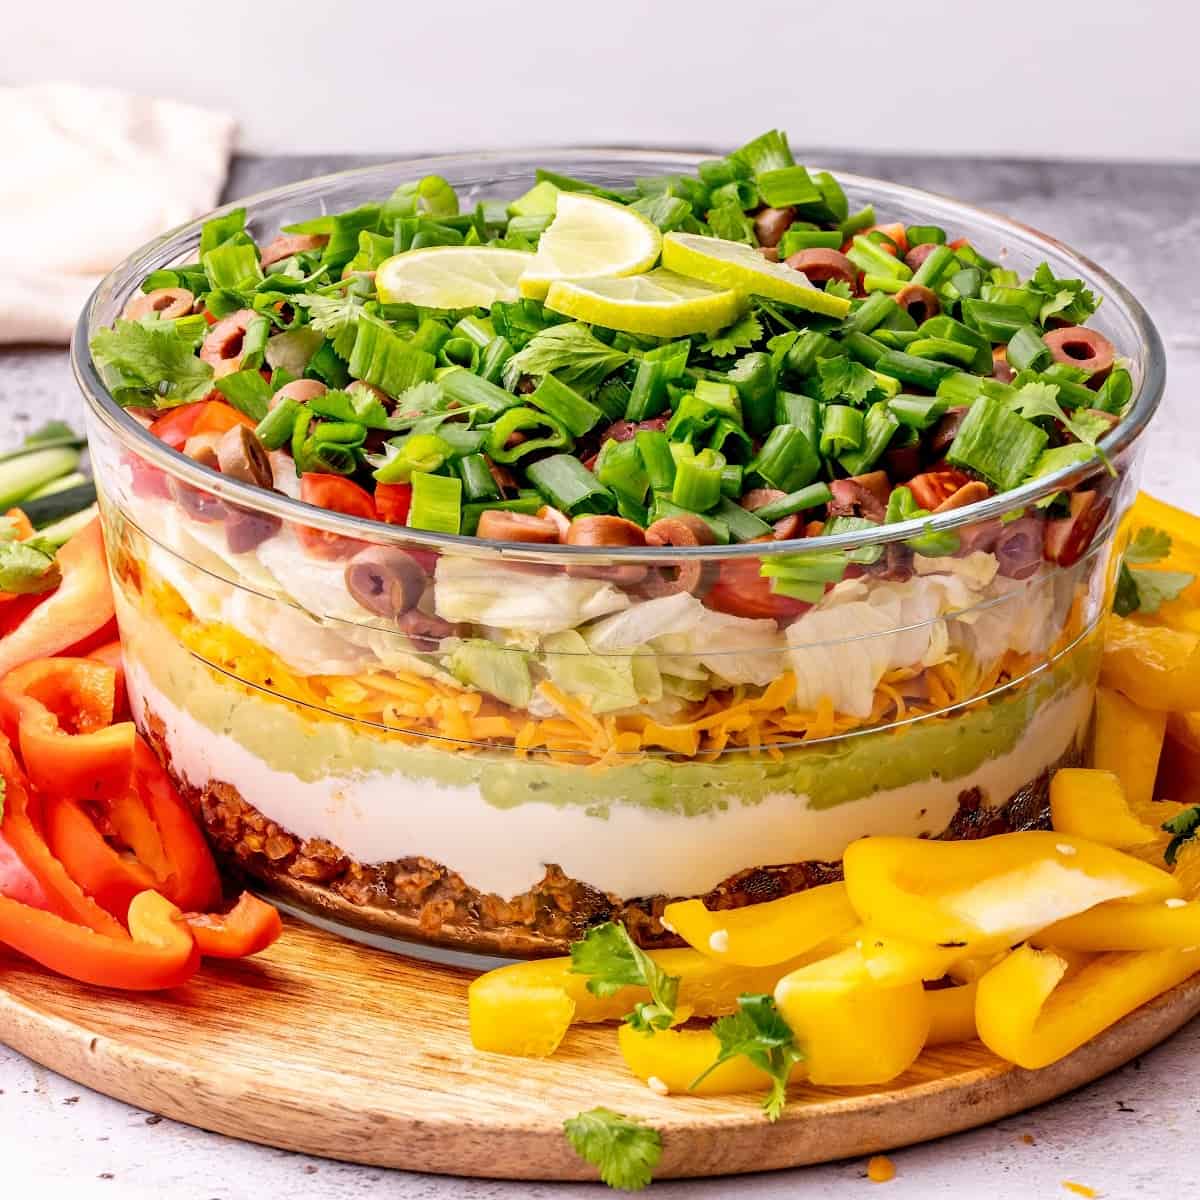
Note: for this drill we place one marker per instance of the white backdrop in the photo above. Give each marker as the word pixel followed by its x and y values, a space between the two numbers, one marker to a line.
pixel 1050 78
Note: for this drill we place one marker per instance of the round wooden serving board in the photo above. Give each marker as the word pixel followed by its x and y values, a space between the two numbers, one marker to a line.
pixel 334 1049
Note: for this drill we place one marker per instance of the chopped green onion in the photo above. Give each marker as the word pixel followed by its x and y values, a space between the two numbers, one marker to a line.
pixel 743 525
pixel 346 433
pixel 495 354
pixel 997 322
pixel 385 359
pixel 478 483
pixel 436 503
pixel 754 377
pixel 1027 351
pixel 569 486
pixel 920 372
pixel 966 283
pixel 733 477
pixel 539 431
pixel 540 200
pixel 794 408
pixel 655 449
pixel 996 443
pixel 431 335
pixel 879 427
pixel 955 331
pixel 1115 392
pixel 917 412
pixel 815 566
pixel 882 283
pixel 575 414
pixel 731 440
pixel 842 430
pixel 794 240
pixel 867 256
pixel 873 311
pixel 692 418
pixel 936 264
pixel 461 439
pixel 477 394
pixel 275 429
pixel 697 484
pixel 864 348
pixel 619 467
pixel 923 235
pixel 787 460
pixel 857 221
pixel 799 501
pixel 663 507
pixel 419 452
pixel 459 352
pixel 233 266
pixel 942 349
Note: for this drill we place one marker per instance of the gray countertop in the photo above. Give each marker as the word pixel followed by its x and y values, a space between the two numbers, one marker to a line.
pixel 1124 1136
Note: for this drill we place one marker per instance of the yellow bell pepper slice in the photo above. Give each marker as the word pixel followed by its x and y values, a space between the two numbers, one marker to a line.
pixel 503 1003
pixel 1091 804
pixel 990 893
pixel 951 1014
pixel 852 1032
pixel 1183 612
pixel 761 935
pixel 508 1018
pixel 1179 768
pixel 890 961
pixel 674 1058
pixel 1128 741
pixel 1119 925
pixel 1156 667
pixel 1030 1015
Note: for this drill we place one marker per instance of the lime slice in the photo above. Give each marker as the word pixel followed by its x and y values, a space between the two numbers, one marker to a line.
pixel 590 237
pixel 734 265
pixel 452 276
pixel 660 302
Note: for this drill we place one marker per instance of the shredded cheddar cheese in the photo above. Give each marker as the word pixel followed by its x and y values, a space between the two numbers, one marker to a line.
pixel 413 707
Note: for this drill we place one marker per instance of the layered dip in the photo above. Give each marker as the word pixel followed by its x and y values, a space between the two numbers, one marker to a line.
pixel 524 549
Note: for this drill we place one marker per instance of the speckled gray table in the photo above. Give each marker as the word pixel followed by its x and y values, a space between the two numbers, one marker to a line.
pixel 1127 1136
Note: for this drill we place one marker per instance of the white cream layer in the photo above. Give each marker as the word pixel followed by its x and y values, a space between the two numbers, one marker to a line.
pixel 635 851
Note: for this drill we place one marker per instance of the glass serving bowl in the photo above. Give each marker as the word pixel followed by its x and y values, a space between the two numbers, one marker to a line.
pixel 558 736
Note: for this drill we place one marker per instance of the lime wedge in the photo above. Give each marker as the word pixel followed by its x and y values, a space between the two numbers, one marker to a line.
pixel 659 302
pixel 590 237
pixel 452 276
pixel 734 265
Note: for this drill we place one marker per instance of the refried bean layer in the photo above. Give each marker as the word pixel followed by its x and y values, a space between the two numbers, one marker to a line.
pixel 417 899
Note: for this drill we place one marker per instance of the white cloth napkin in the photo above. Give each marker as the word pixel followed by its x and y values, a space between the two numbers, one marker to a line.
pixel 89 175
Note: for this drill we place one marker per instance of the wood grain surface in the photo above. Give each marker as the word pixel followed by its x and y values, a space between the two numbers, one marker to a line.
pixel 351 1053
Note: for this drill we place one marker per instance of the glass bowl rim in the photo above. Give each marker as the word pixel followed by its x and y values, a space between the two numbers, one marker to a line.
pixel 132 433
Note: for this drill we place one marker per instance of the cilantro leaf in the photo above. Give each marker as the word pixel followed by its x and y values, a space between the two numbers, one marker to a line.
pixel 613 960
pixel 27 569
pixel 843 379
pixel 758 1031
pixel 838 287
pixel 623 1149
pixel 729 222
pixel 1068 299
pixel 150 364
pixel 1140 590
pixel 571 353
pixel 741 335
pixel 1037 399
pixel 1183 828
pixel 1148 545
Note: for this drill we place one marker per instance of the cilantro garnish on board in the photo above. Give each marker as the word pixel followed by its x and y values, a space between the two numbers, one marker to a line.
pixel 758 1031
pixel 623 1149
pixel 1183 827
pixel 1145 591
pixel 613 960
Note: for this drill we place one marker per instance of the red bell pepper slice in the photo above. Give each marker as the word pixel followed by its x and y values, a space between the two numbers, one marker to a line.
pixel 82 604
pixel 339 495
pixel 249 927
pixel 111 879
pixel 161 953
pixel 194 883
pixel 61 710
pixel 175 426
pixel 110 655
pixel 65 897
pixel 219 417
